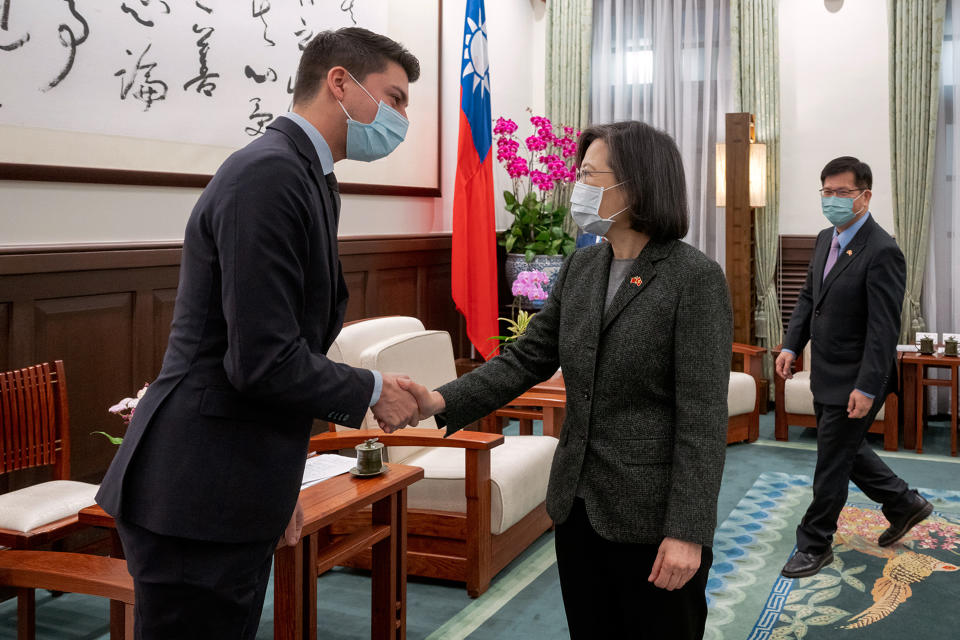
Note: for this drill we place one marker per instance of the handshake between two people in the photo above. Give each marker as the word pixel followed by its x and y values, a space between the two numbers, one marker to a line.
pixel 403 403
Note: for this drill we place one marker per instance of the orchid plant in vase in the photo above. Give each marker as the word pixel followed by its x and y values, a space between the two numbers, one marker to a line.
pixel 529 285
pixel 543 174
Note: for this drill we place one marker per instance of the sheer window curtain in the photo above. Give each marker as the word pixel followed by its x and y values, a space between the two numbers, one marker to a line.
pixel 941 282
pixel 667 63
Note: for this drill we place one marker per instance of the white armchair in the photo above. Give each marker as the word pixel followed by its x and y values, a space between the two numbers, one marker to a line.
pixel 445 539
pixel 795 404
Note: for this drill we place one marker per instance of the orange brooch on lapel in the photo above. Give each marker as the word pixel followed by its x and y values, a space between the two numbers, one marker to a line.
pixel 849 252
pixel 636 280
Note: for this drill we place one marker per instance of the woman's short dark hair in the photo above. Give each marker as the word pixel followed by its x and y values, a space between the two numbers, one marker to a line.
pixel 648 162
pixel 359 51
pixel 862 175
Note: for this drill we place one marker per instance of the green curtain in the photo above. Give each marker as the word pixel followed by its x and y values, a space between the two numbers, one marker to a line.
pixel 569 35
pixel 754 52
pixel 916 34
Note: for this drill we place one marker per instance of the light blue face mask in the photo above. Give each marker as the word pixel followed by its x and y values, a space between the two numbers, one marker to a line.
pixel 839 211
pixel 374 140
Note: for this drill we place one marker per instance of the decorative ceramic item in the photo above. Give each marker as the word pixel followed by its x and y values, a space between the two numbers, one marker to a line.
pixel 369 458
pixel 950 347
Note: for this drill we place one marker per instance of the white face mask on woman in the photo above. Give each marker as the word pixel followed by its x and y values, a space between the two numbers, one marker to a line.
pixel 585 206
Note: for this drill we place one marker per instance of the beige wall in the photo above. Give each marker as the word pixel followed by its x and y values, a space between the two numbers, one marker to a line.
pixel 50 213
pixel 834 91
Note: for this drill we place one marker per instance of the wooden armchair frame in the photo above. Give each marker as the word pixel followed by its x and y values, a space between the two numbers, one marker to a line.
pixel 35 432
pixel 70 572
pixel 887 426
pixel 441 544
pixel 746 426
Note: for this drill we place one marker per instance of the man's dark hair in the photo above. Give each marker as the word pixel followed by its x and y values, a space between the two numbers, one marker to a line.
pixel 359 51
pixel 648 162
pixel 862 175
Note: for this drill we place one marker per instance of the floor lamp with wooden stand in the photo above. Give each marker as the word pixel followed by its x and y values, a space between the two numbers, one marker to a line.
pixel 741 186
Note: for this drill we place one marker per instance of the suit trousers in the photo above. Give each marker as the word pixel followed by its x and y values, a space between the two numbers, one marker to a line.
pixel 844 455
pixel 606 592
pixel 195 589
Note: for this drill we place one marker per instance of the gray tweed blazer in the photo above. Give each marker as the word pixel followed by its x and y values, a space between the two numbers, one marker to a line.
pixel 645 432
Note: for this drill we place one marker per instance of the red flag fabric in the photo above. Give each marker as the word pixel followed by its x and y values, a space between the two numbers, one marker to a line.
pixel 474 257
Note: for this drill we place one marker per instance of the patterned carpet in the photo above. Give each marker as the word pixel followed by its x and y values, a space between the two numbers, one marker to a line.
pixel 868 591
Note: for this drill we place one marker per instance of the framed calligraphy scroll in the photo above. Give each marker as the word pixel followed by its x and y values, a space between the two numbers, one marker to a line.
pixel 160 92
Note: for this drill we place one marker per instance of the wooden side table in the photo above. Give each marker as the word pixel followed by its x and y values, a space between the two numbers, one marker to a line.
pixel 915 366
pixel 296 568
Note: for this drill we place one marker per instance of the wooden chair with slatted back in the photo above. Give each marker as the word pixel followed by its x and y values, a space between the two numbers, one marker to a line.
pixel 35 432
pixel 71 572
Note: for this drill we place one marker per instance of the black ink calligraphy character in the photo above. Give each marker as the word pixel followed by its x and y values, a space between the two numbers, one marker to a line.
pixel 200 6
pixel 259 9
pixel 203 80
pixel 346 6
pixel 268 76
pixel 260 118
pixel 149 90
pixel 70 41
pixel 305 35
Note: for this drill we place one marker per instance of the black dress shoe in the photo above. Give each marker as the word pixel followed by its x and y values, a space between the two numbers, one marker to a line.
pixel 897 530
pixel 804 564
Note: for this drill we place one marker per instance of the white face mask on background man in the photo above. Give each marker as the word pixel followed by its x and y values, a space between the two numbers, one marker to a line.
pixel 585 206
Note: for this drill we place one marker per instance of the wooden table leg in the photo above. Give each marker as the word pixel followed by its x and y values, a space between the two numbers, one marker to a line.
pixel 400 549
pixel 288 578
pixel 553 421
pixel 918 386
pixel 909 406
pixel 118 616
pixel 383 605
pixel 953 409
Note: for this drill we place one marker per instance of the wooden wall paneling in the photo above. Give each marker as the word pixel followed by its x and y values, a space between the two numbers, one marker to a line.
pixel 5 311
pixel 94 336
pixel 163 301
pixel 106 311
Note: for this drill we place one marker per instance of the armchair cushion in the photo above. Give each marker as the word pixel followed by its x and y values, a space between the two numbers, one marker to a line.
pixel 799 399
pixel 519 471
pixel 741 394
pixel 31 507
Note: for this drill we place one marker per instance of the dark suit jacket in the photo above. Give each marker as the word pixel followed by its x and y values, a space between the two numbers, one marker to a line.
pixel 216 447
pixel 645 432
pixel 852 317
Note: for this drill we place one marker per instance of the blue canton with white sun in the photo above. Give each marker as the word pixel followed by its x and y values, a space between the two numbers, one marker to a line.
pixel 475 77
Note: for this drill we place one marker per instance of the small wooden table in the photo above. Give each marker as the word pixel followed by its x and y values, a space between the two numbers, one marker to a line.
pixel 545 401
pixel 914 366
pixel 296 568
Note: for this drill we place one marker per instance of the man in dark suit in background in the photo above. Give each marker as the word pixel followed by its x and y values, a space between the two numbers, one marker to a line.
pixel 210 468
pixel 849 309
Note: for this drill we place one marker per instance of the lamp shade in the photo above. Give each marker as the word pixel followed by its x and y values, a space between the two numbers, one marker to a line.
pixel 757 171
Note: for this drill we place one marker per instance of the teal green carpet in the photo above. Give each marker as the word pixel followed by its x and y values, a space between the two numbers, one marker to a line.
pixel 524 600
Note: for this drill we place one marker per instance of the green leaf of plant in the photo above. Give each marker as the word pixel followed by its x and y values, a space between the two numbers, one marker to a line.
pixel 511 240
pixel 557 231
pixel 568 247
pixel 112 439
pixel 543 236
pixel 509 198
pixel 530 255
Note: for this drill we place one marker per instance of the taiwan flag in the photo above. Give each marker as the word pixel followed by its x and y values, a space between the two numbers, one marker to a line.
pixel 474 258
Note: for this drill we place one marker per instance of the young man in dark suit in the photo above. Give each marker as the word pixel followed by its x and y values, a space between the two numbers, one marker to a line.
pixel 849 310
pixel 208 474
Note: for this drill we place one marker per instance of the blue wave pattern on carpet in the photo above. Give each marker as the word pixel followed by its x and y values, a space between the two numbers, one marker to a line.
pixel 868 591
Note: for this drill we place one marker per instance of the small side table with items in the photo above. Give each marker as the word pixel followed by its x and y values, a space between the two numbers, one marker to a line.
pixel 916 367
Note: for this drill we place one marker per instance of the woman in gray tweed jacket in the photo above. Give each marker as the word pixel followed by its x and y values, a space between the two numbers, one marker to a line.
pixel 642 327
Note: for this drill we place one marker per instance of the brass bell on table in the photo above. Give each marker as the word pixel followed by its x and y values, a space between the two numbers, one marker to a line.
pixel 926 345
pixel 950 347
pixel 369 457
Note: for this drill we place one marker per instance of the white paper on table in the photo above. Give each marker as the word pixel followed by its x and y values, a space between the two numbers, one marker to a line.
pixel 907 348
pixel 325 466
